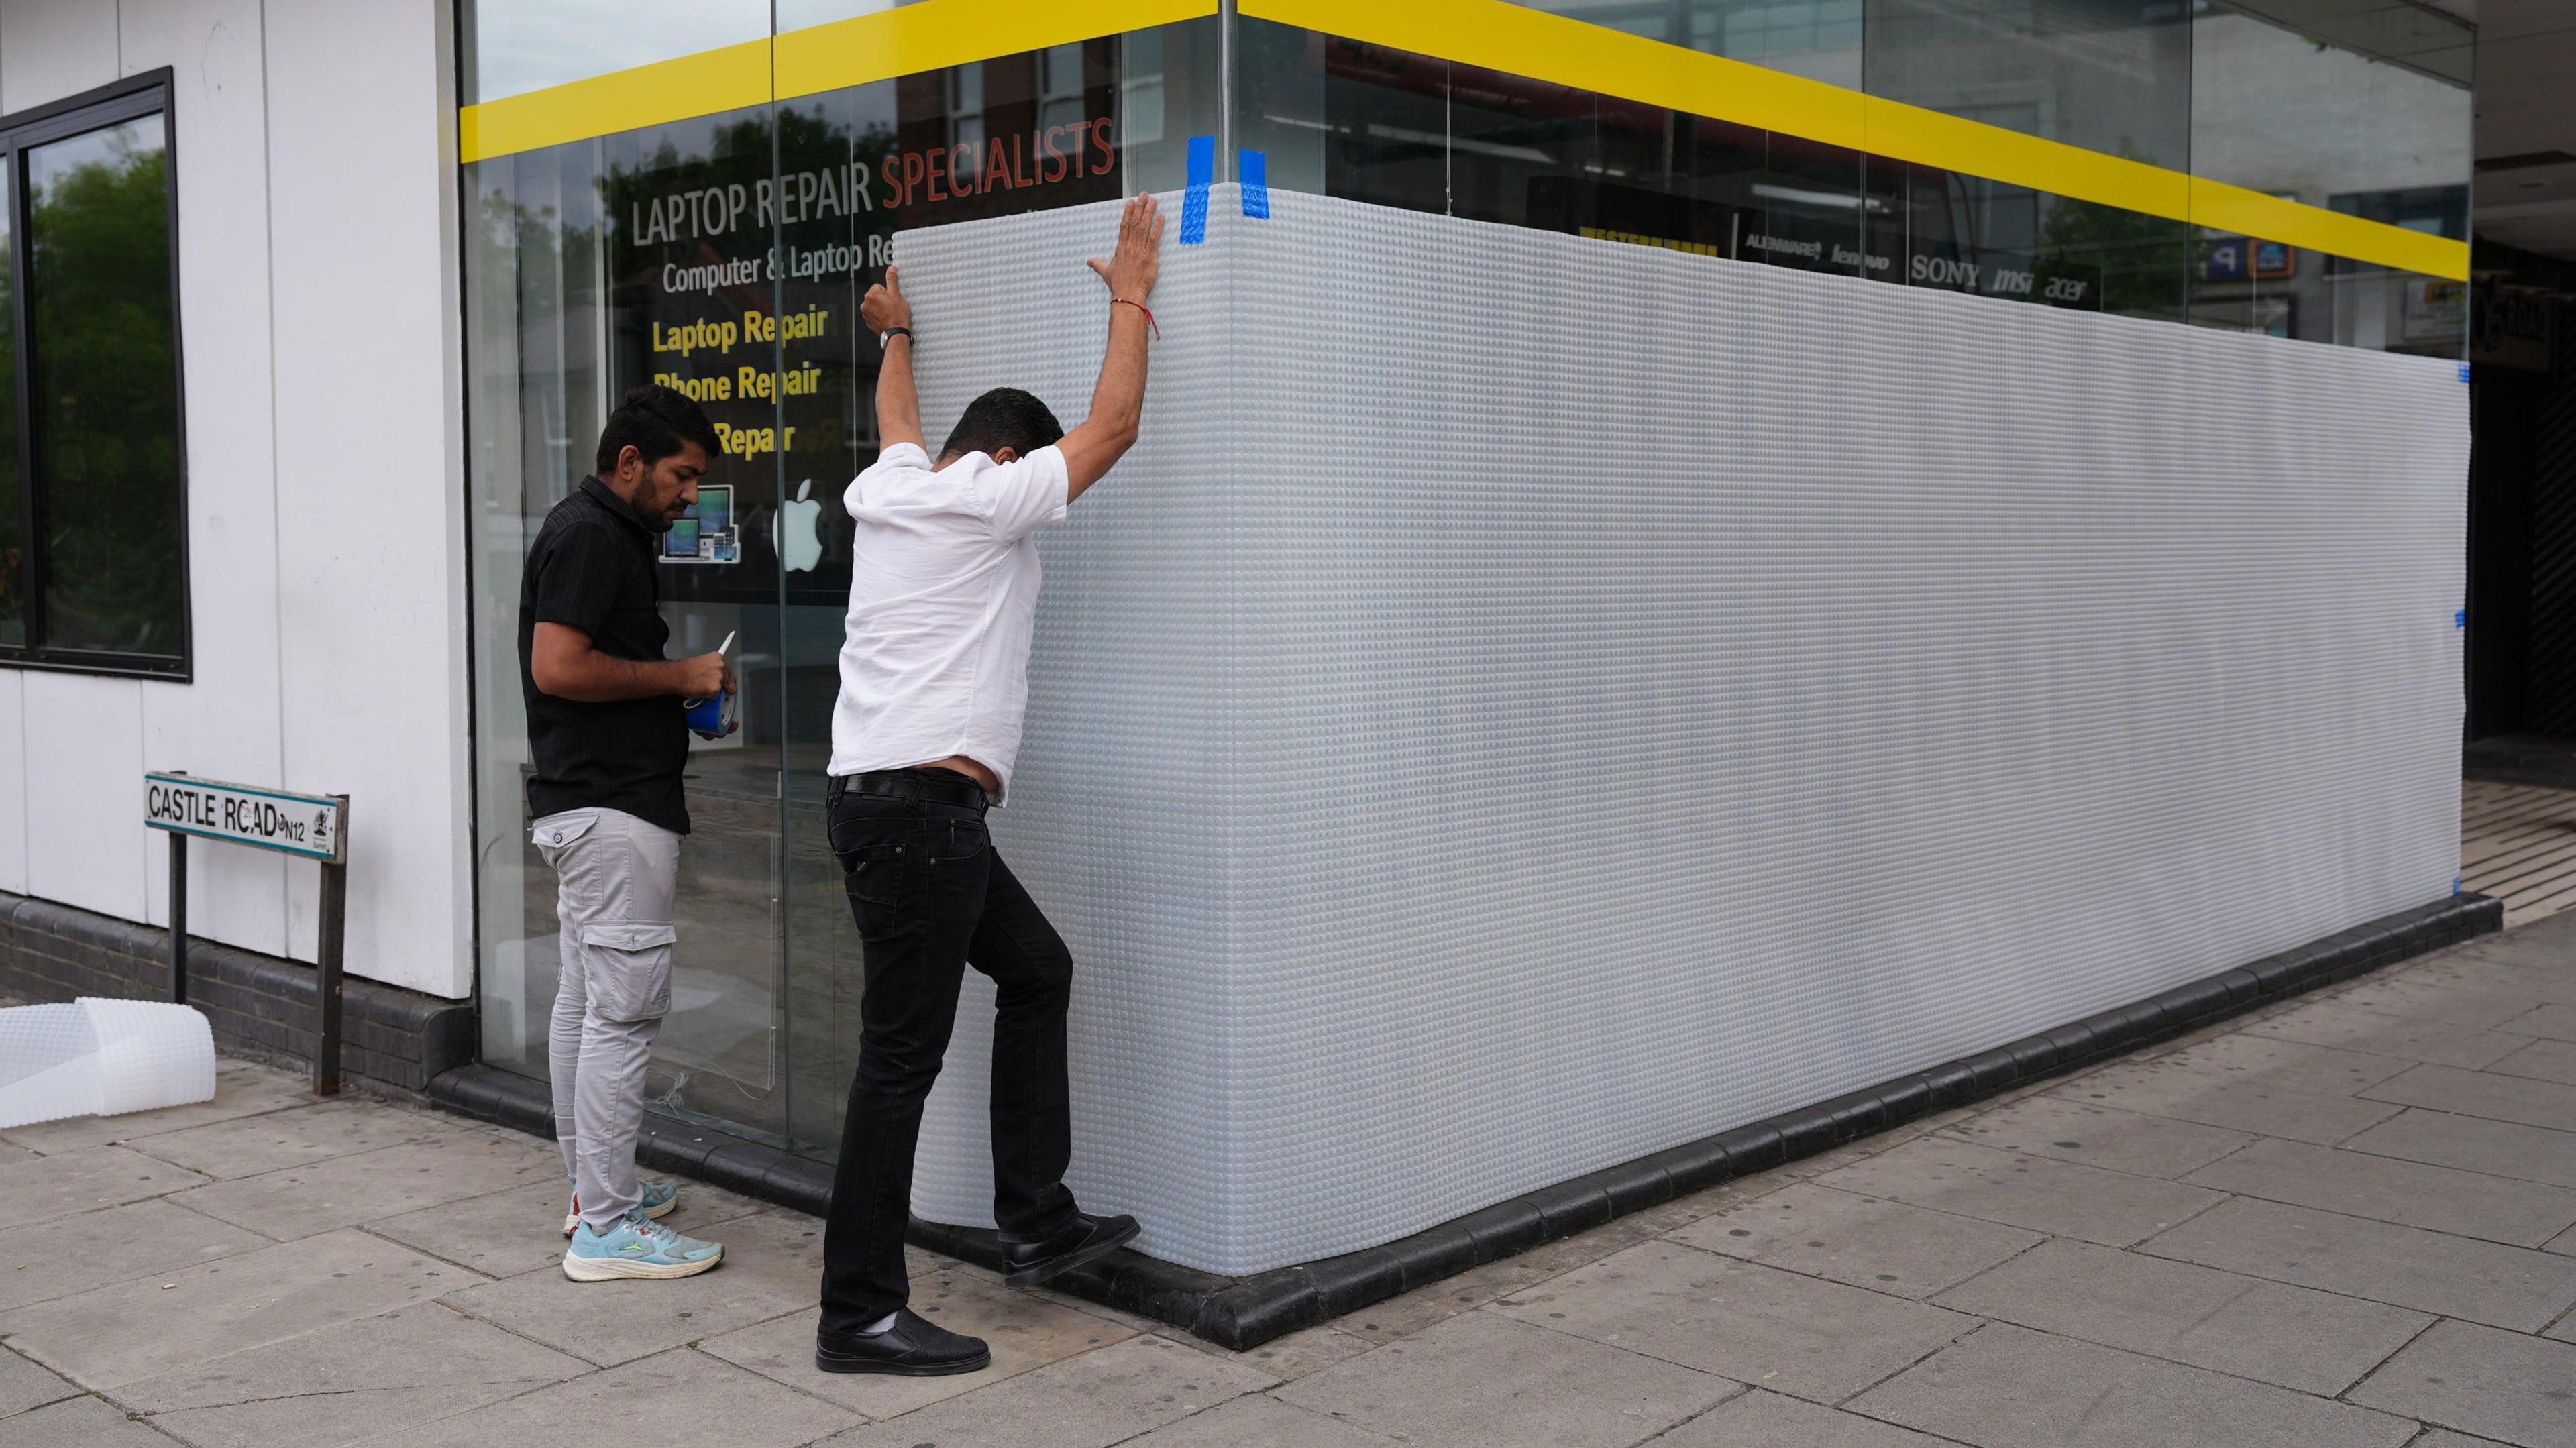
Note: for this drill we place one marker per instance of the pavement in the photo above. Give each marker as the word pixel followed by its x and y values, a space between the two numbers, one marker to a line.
pixel 2344 1221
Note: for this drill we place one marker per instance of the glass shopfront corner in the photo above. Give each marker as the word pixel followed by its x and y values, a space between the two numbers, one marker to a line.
pixel 725 254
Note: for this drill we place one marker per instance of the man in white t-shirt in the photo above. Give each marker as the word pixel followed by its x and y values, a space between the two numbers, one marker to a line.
pixel 934 677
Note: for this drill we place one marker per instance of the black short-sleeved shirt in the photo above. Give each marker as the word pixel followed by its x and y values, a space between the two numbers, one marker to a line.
pixel 591 568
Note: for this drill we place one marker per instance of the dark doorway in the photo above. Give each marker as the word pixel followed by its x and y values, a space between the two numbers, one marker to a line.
pixel 2522 519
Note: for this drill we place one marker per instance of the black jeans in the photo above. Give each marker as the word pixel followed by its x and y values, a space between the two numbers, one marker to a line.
pixel 932 896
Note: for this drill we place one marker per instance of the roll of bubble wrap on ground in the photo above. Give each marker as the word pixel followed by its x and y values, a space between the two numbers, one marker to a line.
pixel 1533 701
pixel 99 1057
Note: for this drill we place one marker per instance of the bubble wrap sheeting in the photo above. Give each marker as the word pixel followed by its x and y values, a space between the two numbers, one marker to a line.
pixel 1531 702
pixel 150 1054
pixel 101 1057
pixel 48 1064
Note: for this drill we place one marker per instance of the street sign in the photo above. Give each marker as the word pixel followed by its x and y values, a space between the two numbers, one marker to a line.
pixel 307 825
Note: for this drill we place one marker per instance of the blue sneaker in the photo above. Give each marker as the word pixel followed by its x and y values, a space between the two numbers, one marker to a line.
pixel 637 1246
pixel 659 1199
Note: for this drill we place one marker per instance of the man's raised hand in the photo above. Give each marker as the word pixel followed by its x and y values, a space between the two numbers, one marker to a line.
pixel 884 305
pixel 1138 261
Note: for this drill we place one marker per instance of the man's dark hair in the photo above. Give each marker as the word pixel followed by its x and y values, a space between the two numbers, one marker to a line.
pixel 656 421
pixel 1005 417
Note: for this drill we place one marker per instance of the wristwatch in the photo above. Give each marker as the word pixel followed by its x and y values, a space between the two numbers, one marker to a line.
pixel 886 338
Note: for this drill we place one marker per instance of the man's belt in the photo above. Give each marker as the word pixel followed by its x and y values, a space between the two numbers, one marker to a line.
pixel 931 786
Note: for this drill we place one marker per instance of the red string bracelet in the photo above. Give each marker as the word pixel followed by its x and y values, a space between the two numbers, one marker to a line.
pixel 1148 311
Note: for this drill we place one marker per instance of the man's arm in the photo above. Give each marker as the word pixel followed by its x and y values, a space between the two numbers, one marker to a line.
pixel 1118 403
pixel 567 665
pixel 898 404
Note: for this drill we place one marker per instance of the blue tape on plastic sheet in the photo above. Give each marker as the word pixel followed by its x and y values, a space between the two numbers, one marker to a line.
pixel 2460 619
pixel 1254 168
pixel 1194 202
pixel 2464 372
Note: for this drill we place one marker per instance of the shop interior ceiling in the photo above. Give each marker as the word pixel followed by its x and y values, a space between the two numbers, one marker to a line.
pixel 2526 141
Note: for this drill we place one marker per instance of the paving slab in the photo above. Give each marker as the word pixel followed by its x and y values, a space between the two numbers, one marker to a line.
pixel 347 1382
pixel 1885 1246
pixel 41 1188
pixel 1291 1357
pixel 2543 1060
pixel 2483 1093
pixel 2352 1028
pixel 2008 1387
pixel 677 1397
pixel 2445 1438
pixel 2359 1184
pixel 2287 1064
pixel 2500 971
pixel 84 1421
pixel 69 1255
pixel 2557 1022
pixel 2297 1337
pixel 296 1136
pixel 1770 1420
pixel 375 1186
pixel 773 1266
pixel 2041 1194
pixel 2512 1287
pixel 25 1385
pixel 2433 1001
pixel 163 1323
pixel 242 1088
pixel 1436 1302
pixel 1258 1418
pixel 2550 940
pixel 2473 1143
pixel 1741 1320
pixel 2501 1385
pixel 2239 1104
pixel 1484 1380
pixel 1105 1396
pixel 519 1229
pixel 2078 1131
pixel 1024 1333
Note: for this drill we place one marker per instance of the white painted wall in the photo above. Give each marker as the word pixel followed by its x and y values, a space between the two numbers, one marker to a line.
pixel 315 153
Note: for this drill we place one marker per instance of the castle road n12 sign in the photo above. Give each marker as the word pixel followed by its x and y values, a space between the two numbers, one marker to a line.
pixel 309 825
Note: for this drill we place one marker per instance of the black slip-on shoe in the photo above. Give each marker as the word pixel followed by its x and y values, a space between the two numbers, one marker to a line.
pixel 914 1347
pixel 1083 1240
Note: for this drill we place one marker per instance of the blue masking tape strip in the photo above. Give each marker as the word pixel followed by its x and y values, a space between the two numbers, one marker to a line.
pixel 2464 372
pixel 2460 619
pixel 1255 170
pixel 1194 202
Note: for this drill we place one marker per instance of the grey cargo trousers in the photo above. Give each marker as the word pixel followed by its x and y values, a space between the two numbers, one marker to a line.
pixel 615 876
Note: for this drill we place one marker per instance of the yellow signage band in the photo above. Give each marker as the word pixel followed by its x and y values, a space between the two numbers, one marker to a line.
pixel 906 40
pixel 705 84
pixel 1493 34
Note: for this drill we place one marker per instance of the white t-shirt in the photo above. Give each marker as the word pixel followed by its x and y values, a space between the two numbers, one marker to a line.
pixel 943 596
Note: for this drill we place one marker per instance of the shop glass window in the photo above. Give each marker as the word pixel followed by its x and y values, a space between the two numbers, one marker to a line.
pixel 1818 39
pixel 93 556
pixel 2109 75
pixel 527 45
pixel 2282 103
pixel 602 262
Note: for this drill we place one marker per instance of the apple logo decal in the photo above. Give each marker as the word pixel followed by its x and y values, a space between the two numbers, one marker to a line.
pixel 800 529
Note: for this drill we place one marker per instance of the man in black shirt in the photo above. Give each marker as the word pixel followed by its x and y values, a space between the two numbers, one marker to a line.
pixel 608 737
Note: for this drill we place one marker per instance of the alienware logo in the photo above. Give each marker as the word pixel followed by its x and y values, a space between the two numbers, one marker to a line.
pixel 799 531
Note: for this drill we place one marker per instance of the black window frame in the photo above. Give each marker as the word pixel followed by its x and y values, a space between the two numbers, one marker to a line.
pixel 147 93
